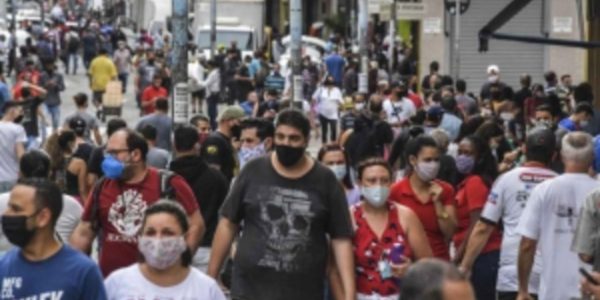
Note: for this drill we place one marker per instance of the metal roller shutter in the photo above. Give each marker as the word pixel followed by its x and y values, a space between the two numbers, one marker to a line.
pixel 513 58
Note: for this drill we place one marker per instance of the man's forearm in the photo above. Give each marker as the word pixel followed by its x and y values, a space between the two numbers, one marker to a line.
pixel 525 262
pixel 344 258
pixel 477 240
pixel 221 245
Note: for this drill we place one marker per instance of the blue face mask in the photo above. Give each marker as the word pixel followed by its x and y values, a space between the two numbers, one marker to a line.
pixel 112 167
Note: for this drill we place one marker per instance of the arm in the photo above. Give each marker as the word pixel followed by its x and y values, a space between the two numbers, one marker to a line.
pixel 226 231
pixel 446 214
pixel 417 238
pixel 525 264
pixel 460 251
pixel 196 231
pixel 81 168
pixel 19 149
pixel 344 258
pixel 97 136
pixel 477 239
pixel 82 237
pixel 335 281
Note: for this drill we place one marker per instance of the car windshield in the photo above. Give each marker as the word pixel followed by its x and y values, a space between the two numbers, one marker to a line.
pixel 243 39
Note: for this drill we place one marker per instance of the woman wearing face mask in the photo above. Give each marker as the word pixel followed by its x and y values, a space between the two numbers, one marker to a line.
pixel 478 168
pixel 68 168
pixel 431 200
pixel 165 268
pixel 328 99
pixel 388 236
pixel 334 157
pixel 492 134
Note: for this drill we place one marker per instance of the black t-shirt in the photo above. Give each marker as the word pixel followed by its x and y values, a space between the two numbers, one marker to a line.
pixel 84 151
pixel 282 252
pixel 94 163
pixel 218 151
pixel 30 117
pixel 266 106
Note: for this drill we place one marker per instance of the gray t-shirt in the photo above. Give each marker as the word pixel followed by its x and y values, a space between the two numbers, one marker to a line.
pixel 162 123
pixel 122 60
pixel 10 135
pixel 158 158
pixel 65 225
pixel 91 122
pixel 282 253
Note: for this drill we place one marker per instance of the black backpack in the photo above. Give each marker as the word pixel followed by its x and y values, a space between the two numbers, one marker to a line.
pixel 166 192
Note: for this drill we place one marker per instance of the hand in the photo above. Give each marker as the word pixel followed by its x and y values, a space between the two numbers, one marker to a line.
pixel 466 272
pixel 524 296
pixel 510 157
pixel 589 288
pixel 436 191
pixel 400 270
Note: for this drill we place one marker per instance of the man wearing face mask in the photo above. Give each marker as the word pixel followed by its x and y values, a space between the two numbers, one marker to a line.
pixel 42 267
pixel 122 59
pixel 217 150
pixel 398 107
pixel 13 138
pixel 289 205
pixel 117 203
pixel 579 119
pixel 493 73
pixel 209 186
pixel 256 139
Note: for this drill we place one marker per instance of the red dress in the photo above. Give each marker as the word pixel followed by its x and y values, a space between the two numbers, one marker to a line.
pixel 369 250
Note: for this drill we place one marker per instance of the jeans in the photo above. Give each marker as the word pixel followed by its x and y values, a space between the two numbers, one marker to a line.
pixel 72 59
pixel 213 102
pixel 485 275
pixel 54 113
pixel 325 125
pixel 123 79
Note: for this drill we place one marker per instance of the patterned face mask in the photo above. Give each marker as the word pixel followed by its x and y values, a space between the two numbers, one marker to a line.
pixel 246 154
pixel 161 253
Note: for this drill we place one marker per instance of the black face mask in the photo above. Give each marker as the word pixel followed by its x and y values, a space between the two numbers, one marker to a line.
pixel 16 231
pixel 289 156
pixel 236 131
pixel 18 119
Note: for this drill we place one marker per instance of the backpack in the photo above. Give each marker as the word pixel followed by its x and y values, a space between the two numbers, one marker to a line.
pixel 166 192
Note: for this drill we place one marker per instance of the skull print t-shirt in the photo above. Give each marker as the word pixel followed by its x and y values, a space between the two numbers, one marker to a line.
pixel 282 251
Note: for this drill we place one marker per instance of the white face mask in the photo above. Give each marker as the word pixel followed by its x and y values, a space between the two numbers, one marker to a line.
pixel 427 171
pixel 584 123
pixel 340 171
pixel 359 106
pixel 375 195
pixel 493 78
pixel 161 253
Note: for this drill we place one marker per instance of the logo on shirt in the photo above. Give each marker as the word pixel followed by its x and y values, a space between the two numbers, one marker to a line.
pixel 534 178
pixel 127 213
pixel 10 284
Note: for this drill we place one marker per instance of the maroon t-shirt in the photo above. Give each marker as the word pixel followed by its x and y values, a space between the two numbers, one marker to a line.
pixel 121 213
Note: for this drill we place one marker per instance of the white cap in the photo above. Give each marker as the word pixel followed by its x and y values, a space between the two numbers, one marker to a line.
pixel 493 69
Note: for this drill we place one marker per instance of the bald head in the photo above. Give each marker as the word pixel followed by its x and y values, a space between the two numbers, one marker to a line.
pixel 434 279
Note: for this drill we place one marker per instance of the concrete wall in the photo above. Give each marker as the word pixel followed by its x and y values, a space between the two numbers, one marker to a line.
pixel 565 60
pixel 433 45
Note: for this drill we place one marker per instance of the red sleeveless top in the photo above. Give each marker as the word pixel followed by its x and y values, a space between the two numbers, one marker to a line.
pixel 369 250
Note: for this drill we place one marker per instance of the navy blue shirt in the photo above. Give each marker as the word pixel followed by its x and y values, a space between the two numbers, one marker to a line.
pixel 67 275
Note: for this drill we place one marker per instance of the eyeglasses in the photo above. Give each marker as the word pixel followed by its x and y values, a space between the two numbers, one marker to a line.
pixel 115 152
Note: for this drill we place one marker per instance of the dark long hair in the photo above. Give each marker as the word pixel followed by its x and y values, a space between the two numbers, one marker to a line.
pixel 347 181
pixel 485 163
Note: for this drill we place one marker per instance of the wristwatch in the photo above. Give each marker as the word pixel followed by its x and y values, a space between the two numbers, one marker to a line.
pixel 443 216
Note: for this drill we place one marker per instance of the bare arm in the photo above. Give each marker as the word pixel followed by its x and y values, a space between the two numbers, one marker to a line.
pixel 417 238
pixel 446 214
pixel 91 180
pixel 335 281
pixel 19 149
pixel 97 136
pixel 82 237
pixel 196 231
pixel 473 219
pixel 477 240
pixel 81 171
pixel 344 259
pixel 224 235
pixel 525 264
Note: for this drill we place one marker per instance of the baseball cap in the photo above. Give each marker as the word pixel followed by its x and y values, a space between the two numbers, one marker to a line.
pixel 77 124
pixel 435 111
pixel 541 138
pixel 493 68
pixel 231 112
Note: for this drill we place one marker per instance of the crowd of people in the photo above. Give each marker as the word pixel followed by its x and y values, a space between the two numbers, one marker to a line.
pixel 419 190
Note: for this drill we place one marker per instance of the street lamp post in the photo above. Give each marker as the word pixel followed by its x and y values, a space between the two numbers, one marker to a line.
pixel 456 8
pixel 213 28
pixel 363 23
pixel 180 94
pixel 296 51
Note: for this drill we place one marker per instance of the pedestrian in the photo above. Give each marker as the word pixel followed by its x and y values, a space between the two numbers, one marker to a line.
pixel 145 74
pixel 579 118
pixel 67 170
pixel 297 203
pixel 36 164
pixel 41 266
pixel 90 45
pixel 478 171
pixel 550 219
pixel 435 279
pixel 328 99
pixel 157 157
pixel 165 265
pixel 334 157
pixel 467 105
pixel 31 112
pixel 91 122
pixel 151 94
pixel 212 85
pixel 102 70
pixel 243 81
pixel 431 200
pixel 251 104
pixel 493 82
pixel 506 203
pixel 122 59
pixel 12 149
pixel 275 81
pixel 217 149
pixel 452 119
pixel 335 66
pixel 202 125
pixel 270 106
pixel 54 84
pixel 73 44
pixel 161 121
pixel 4 92
pixel 83 147
pixel 256 139
pixel 388 237
pixel 209 186
pixel 95 171
pixel 117 203
pixel 196 73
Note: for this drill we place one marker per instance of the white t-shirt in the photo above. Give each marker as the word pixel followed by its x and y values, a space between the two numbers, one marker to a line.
pixel 399 111
pixel 329 101
pixel 129 283
pixel 506 203
pixel 65 225
pixel 550 217
pixel 10 134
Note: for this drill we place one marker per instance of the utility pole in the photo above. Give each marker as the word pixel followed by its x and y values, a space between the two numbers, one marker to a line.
pixel 363 24
pixel 180 94
pixel 456 71
pixel 213 27
pixel 296 51
pixel 14 17
pixel 392 45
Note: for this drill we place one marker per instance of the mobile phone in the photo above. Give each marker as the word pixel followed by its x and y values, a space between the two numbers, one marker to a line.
pixel 589 277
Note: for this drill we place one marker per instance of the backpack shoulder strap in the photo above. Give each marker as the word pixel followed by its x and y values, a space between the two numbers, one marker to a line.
pixel 166 189
pixel 95 215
